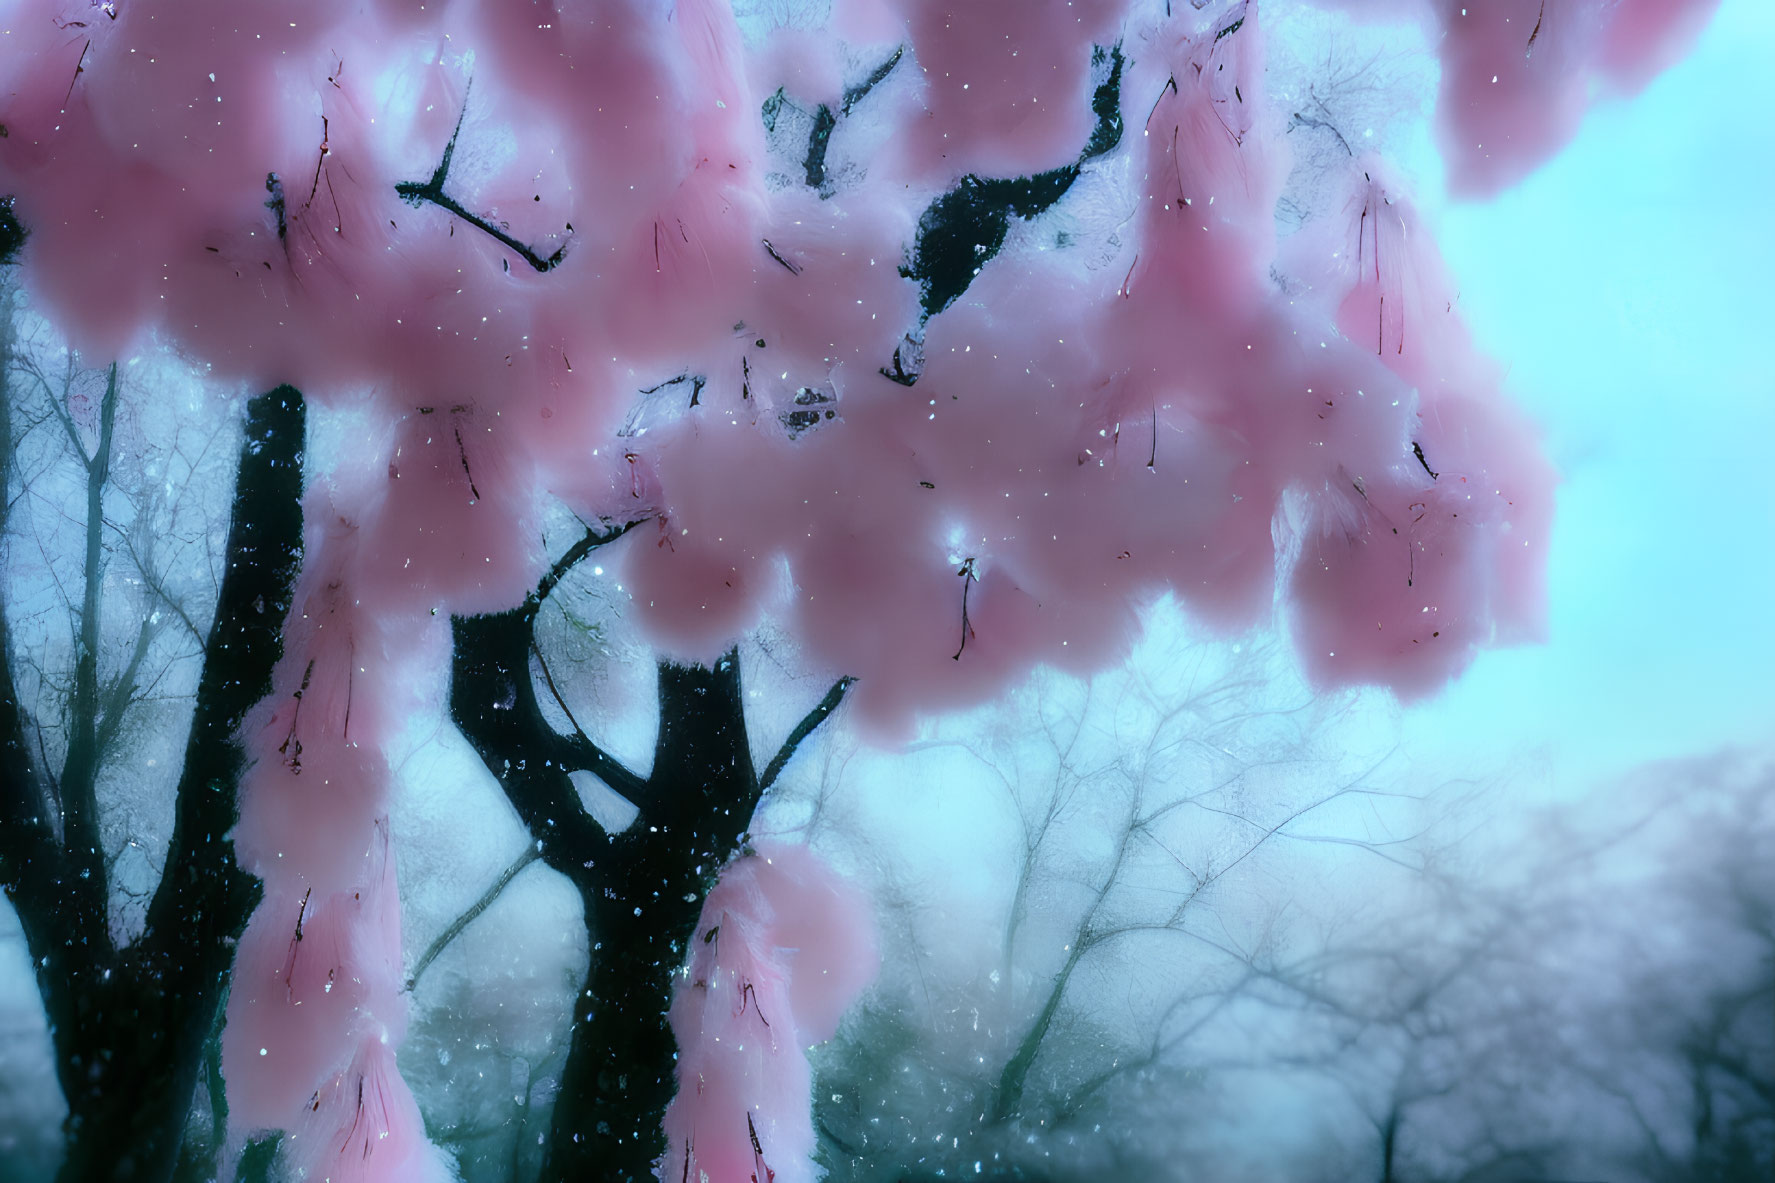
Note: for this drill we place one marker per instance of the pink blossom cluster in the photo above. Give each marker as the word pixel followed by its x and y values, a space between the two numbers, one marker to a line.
pixel 783 947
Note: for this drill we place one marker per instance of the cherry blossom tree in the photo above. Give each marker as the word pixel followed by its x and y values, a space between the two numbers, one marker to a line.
pixel 582 257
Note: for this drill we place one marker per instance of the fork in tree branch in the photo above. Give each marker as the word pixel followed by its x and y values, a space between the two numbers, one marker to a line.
pixel 416 192
pixel 640 884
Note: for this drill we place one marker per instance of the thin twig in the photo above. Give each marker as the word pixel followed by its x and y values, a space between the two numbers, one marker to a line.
pixel 530 855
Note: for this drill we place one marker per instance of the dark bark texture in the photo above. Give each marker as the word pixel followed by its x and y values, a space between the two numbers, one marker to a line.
pixel 129 1025
pixel 642 888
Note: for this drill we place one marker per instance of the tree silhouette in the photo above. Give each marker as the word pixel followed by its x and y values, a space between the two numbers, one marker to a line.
pixel 641 886
pixel 130 1016
pixel 1151 812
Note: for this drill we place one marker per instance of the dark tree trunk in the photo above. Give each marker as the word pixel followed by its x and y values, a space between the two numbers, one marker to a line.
pixel 142 1051
pixel 618 1079
pixel 642 889
pixel 701 793
pixel 129 1026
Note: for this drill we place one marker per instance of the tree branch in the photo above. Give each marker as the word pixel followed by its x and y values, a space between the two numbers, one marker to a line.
pixel 80 767
pixel 588 756
pixel 203 899
pixel 492 654
pixel 592 540
pixel 454 929
pixel 493 702
pixel 803 729
pixel 34 871
pixel 415 192
pixel 155 584
pixel 58 406
pixel 122 692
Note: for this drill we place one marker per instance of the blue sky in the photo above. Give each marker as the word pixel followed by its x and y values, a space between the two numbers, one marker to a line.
pixel 1626 285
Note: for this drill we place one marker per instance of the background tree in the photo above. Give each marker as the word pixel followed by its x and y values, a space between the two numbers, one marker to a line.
pixel 1680 1035
pixel 1600 970
pixel 1579 992
pixel 1158 819
pixel 131 950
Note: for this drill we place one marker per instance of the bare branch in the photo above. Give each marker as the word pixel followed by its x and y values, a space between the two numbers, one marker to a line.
pixel 416 192
pixel 157 586
pixel 58 404
pixel 803 729
pixel 80 767
pixel 588 756
pixel 593 539
pixel 468 917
